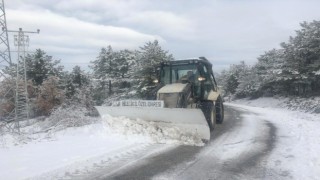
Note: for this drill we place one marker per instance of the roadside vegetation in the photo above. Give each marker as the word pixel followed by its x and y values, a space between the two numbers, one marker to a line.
pixel 113 75
pixel 292 70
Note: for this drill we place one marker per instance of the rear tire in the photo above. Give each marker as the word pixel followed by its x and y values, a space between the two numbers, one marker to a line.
pixel 209 112
pixel 219 111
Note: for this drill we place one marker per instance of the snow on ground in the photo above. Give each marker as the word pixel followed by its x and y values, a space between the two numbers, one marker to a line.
pixel 59 150
pixel 296 152
pixel 311 105
pixel 38 154
pixel 54 154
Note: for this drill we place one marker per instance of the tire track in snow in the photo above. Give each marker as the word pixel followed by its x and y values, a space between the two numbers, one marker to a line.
pixel 99 166
pixel 127 161
pixel 239 153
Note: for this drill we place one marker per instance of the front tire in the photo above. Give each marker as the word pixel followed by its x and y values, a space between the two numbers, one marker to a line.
pixel 219 111
pixel 209 112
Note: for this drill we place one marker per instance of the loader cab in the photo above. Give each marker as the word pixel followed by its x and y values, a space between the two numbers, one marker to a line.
pixel 197 72
pixel 178 74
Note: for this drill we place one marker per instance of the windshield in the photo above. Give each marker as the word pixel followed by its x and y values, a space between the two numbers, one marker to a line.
pixel 181 73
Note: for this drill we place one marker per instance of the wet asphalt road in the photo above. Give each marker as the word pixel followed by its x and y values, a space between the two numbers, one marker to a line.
pixel 228 155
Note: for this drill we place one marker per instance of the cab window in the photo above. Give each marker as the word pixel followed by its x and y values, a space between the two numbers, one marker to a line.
pixel 176 74
pixel 208 83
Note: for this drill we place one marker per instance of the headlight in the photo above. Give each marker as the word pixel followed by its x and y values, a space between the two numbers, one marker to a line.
pixel 201 78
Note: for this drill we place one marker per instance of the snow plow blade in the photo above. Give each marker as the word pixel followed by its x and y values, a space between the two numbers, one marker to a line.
pixel 188 121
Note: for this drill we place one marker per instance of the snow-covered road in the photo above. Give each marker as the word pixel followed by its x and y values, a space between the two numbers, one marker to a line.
pixel 237 150
pixel 252 143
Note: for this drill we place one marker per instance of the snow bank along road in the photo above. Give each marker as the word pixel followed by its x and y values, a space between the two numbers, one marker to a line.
pixel 252 143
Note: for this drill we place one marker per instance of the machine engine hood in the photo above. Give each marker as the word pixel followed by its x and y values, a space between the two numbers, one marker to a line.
pixel 172 88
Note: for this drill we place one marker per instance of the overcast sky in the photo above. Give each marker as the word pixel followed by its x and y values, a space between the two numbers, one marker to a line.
pixel 224 31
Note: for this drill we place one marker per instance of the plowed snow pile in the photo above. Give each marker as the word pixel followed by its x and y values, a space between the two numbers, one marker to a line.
pixel 154 132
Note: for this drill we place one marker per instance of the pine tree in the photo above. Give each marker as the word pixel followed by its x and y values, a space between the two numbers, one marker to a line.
pixel 302 57
pixel 150 56
pixel 272 72
pixel 103 71
pixel 231 84
pixel 249 84
pixel 293 69
pixel 79 89
pixel 121 65
pixel 99 65
pixel 133 65
pixel 75 81
pixel 40 66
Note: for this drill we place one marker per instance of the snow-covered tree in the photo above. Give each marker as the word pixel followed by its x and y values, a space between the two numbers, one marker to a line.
pixel 249 84
pixel 293 69
pixel 123 72
pixel 7 95
pixel 240 80
pixel 99 66
pixel 75 81
pixel 231 84
pixel 102 73
pixel 272 72
pixel 50 96
pixel 40 66
pixel 150 56
pixel 121 65
pixel 233 77
pixel 7 104
pixel 133 65
pixel 79 88
pixel 302 57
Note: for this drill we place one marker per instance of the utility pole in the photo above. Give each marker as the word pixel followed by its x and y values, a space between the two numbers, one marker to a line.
pixel 13 97
pixel 6 97
pixel 4 40
pixel 21 41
